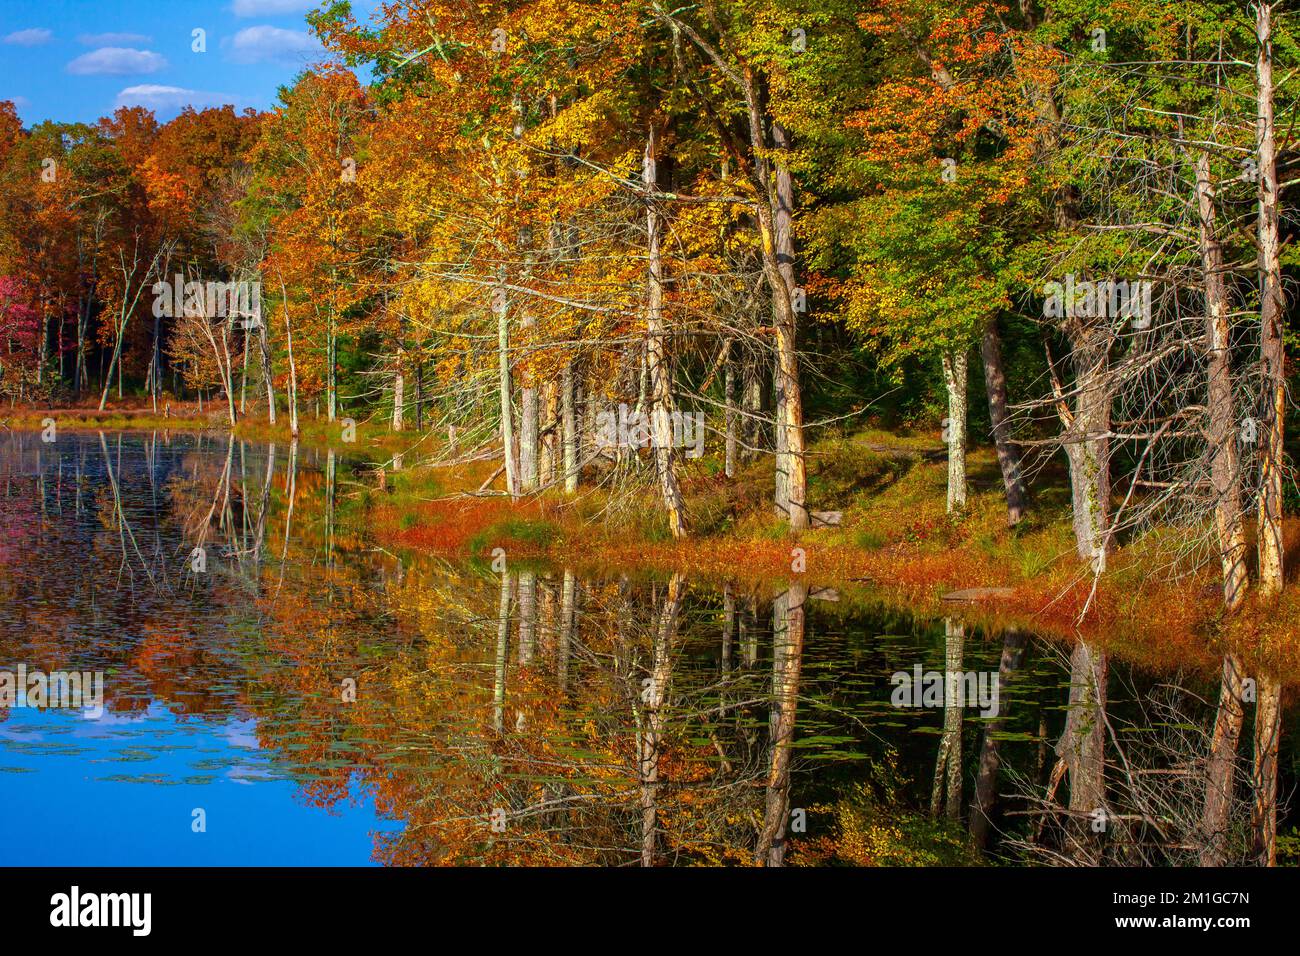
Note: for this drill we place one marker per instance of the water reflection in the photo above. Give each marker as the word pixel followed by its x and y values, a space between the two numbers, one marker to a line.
pixel 402 709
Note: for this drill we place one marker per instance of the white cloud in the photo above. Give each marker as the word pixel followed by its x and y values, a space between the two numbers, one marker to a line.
pixel 171 99
pixel 117 61
pixel 113 39
pixel 270 8
pixel 263 44
pixel 33 37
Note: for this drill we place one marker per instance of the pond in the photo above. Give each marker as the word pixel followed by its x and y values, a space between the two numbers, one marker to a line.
pixel 277 687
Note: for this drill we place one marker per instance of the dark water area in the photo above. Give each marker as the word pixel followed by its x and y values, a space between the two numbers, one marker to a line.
pixel 277 688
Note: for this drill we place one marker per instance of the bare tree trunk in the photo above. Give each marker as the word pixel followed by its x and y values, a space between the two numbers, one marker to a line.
pixel 787 662
pixel 1272 314
pixel 1223 430
pixel 268 376
pixel 1087 447
pixel 507 410
pixel 1268 707
pixel 243 378
pixel 399 391
pixel 995 384
pixel 729 389
pixel 656 356
pixel 570 430
pixel 527 423
pixel 954 378
pixel 751 426
pixel 550 429
pixel 792 484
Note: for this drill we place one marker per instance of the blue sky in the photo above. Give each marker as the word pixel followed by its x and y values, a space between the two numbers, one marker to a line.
pixel 78 60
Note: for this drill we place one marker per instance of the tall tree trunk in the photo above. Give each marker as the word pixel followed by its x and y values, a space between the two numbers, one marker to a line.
pixel 550 429
pixel 399 391
pixel 752 402
pixel 1224 472
pixel 268 374
pixel 568 414
pixel 293 376
pixel 1268 708
pixel 1086 444
pixel 729 391
pixel 791 476
pixel 527 422
pixel 507 408
pixel 995 384
pixel 1272 314
pixel 955 368
pixel 657 360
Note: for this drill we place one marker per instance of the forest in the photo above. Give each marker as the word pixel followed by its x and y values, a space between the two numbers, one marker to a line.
pixel 710 281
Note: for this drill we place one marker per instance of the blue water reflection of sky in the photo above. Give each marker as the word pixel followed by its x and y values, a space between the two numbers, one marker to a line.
pixel 120 791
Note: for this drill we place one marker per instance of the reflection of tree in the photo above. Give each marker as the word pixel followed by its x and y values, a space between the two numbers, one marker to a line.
pixel 946 791
pixel 986 778
pixel 787 658
pixel 1155 789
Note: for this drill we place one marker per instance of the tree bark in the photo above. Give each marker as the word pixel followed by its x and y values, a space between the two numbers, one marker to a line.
pixel 729 390
pixel 1271 317
pixel 1224 472
pixel 1086 444
pixel 268 375
pixel 568 413
pixel 528 418
pixel 955 368
pixel 661 397
pixel 778 253
pixel 399 391
pixel 995 384
pixel 505 389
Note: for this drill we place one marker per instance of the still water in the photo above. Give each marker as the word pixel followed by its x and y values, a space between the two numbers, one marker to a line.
pixel 278 688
